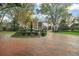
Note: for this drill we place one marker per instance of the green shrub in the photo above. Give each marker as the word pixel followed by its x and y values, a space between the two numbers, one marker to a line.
pixel 20 32
pixel 23 31
pixel 32 31
pixel 4 28
pixel 15 28
pixel 35 32
pixel 63 26
pixel 74 27
pixel 1 29
pixel 43 32
pixel 28 32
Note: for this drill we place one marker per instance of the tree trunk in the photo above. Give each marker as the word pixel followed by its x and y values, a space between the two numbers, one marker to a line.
pixel 31 27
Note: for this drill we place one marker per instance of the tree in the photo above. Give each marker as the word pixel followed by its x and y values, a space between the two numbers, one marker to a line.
pixel 56 11
pixel 18 11
pixel 7 9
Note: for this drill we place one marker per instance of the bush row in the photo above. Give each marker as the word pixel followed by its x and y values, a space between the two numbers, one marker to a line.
pixel 27 31
pixel 65 27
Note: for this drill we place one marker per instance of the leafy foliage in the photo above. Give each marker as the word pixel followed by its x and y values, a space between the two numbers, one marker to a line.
pixel 63 26
pixel 43 32
pixel 74 27
pixel 57 12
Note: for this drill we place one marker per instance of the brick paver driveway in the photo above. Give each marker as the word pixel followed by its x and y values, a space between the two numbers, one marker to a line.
pixel 51 45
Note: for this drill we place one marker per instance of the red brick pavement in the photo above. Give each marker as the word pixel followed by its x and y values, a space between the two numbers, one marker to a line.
pixel 51 45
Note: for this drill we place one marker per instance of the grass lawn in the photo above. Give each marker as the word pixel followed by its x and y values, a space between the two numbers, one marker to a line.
pixel 7 32
pixel 72 33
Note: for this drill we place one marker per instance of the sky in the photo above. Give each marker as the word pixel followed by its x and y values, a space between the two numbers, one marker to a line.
pixel 74 9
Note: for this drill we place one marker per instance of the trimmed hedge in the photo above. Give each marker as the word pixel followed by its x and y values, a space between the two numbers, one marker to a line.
pixel 28 32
